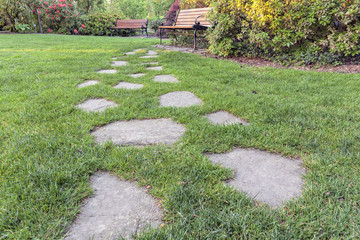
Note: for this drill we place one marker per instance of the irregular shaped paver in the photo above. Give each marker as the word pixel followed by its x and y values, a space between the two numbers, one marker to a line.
pixel 149 56
pixel 118 63
pixel 136 75
pixel 179 99
pixel 88 83
pixel 151 53
pixel 96 105
pixel 107 71
pixel 225 118
pixel 140 132
pixel 166 78
pixel 130 53
pixel 127 85
pixel 150 63
pixel 266 177
pixel 117 209
pixel 158 68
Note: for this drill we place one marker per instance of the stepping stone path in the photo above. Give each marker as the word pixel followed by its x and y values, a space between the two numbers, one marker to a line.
pixel 150 63
pixel 88 83
pixel 118 63
pixel 266 177
pixel 159 68
pixel 96 105
pixel 165 78
pixel 179 99
pixel 107 71
pixel 225 118
pixel 127 85
pixel 140 132
pixel 117 209
pixel 120 208
pixel 149 56
pixel 137 75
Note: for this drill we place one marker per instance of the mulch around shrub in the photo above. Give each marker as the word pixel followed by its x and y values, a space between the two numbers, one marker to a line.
pixel 350 67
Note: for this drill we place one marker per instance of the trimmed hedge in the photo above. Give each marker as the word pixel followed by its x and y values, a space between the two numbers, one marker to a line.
pixel 306 31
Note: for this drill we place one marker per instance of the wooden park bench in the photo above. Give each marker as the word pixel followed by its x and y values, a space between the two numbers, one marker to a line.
pixel 189 19
pixel 132 24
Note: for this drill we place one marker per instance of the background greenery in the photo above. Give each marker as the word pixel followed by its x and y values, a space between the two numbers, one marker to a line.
pixel 47 153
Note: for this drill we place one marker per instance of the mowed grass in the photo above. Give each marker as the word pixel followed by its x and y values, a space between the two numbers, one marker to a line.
pixel 47 153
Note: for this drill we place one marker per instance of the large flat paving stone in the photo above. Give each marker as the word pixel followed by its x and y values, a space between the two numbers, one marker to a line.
pixel 158 68
pixel 166 78
pixel 137 75
pixel 130 53
pixel 151 53
pixel 118 63
pixel 88 83
pixel 179 99
pixel 265 176
pixel 127 85
pixel 96 105
pixel 107 71
pixel 117 209
pixel 225 118
pixel 150 63
pixel 140 132
pixel 155 56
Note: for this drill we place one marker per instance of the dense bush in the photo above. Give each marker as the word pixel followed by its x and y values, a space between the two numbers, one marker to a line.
pixel 98 24
pixel 297 30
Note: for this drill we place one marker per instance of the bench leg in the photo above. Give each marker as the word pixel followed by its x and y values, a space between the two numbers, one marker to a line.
pixel 195 39
pixel 160 36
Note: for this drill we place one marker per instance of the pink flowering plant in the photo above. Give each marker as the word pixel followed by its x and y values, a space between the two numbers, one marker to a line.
pixel 60 16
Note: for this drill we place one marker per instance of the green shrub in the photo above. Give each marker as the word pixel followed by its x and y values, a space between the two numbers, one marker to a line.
pixel 98 24
pixel 302 30
pixel 154 24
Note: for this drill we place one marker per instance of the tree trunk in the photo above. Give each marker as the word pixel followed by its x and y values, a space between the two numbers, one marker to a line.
pixel 88 6
pixel 39 21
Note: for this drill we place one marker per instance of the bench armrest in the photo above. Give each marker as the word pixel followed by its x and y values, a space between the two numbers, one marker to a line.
pixel 196 19
pixel 162 24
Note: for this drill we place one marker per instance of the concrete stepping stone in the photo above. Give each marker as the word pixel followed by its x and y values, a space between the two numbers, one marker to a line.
pixel 149 56
pixel 150 63
pixel 130 53
pixel 107 71
pixel 165 78
pixel 127 85
pixel 137 75
pixel 179 99
pixel 96 105
pixel 118 63
pixel 140 132
pixel 225 118
pixel 265 176
pixel 158 68
pixel 88 83
pixel 117 209
pixel 151 53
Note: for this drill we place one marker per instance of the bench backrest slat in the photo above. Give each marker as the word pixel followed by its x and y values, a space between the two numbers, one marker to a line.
pixel 135 23
pixel 187 17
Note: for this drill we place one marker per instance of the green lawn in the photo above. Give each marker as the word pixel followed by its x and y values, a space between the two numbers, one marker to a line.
pixel 47 153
